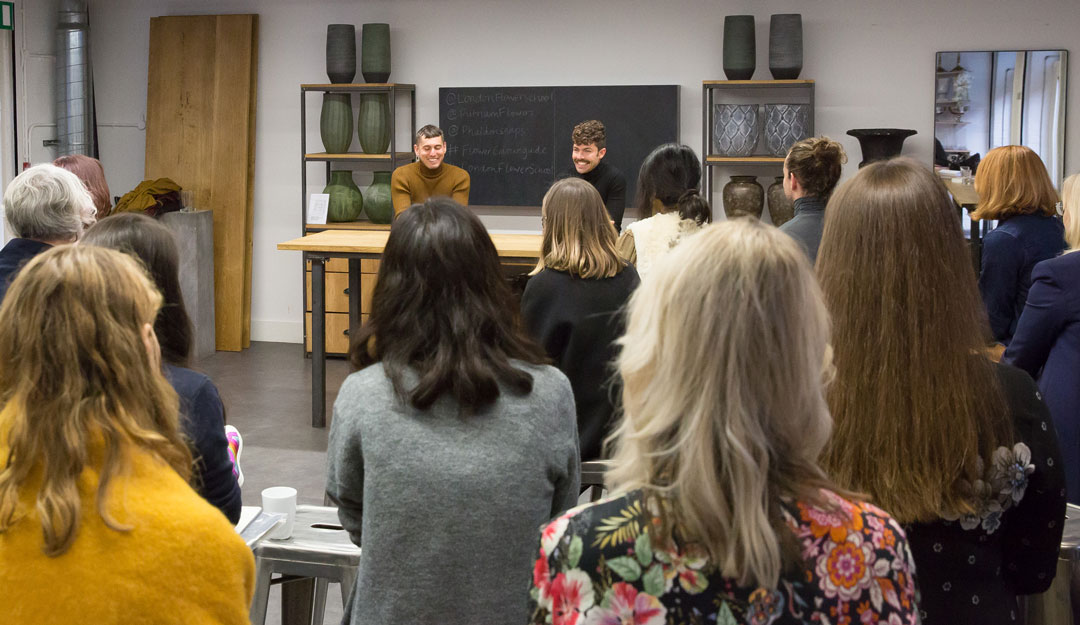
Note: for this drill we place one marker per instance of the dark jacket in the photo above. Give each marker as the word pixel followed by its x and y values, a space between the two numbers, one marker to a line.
pixel 14 255
pixel 577 320
pixel 202 418
pixel 611 185
pixel 807 225
pixel 1009 253
pixel 1047 345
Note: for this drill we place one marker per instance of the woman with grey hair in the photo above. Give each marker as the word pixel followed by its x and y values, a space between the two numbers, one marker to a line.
pixel 44 206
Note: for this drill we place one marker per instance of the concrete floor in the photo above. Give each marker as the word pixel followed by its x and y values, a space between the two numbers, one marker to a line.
pixel 267 394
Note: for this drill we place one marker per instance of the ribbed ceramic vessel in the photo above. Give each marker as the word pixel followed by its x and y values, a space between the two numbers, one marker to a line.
pixel 341 52
pixel 736 129
pixel 740 47
pixel 373 123
pixel 785 46
pixel 346 201
pixel 375 52
pixel 336 123
pixel 377 202
pixel 781 209
pixel 743 196
pixel 784 125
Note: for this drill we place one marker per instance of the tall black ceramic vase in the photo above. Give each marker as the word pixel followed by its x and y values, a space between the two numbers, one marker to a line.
pixel 740 47
pixel 785 46
pixel 341 52
pixel 880 143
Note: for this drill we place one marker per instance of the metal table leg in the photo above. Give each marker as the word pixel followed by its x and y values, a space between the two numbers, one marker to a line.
pixel 318 341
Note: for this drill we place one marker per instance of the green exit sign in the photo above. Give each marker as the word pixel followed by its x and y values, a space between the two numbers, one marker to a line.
pixel 7 16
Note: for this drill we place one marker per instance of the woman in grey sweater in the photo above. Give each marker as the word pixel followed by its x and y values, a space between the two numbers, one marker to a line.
pixel 453 442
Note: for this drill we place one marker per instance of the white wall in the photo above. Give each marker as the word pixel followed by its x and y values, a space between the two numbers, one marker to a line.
pixel 873 62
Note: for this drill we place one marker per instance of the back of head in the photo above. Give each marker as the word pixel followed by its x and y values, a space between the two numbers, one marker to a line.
pixel 92 174
pixel 76 375
pixel 671 175
pixel 722 441
pixel 153 244
pixel 914 405
pixel 578 235
pixel 1070 199
pixel 817 163
pixel 590 132
pixel 441 308
pixel 1012 180
pixel 47 203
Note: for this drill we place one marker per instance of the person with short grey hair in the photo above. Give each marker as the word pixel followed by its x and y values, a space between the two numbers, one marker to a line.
pixel 44 206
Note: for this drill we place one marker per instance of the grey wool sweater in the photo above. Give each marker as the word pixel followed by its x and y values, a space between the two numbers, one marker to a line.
pixel 447 508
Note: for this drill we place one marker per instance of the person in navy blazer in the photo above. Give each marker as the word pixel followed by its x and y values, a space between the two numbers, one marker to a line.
pixel 1047 339
pixel 1014 189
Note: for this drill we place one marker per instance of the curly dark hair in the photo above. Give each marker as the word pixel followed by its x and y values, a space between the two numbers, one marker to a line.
pixel 816 163
pixel 591 131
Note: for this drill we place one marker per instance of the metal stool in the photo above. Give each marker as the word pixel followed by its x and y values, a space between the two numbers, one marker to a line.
pixel 319 548
pixel 592 476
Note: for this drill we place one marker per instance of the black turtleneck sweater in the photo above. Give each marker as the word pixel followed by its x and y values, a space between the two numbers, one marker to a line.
pixel 612 187
pixel 807 224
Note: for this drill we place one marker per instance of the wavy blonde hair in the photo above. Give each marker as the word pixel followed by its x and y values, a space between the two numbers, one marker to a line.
pixel 1070 200
pixel 724 362
pixel 75 376
pixel 578 235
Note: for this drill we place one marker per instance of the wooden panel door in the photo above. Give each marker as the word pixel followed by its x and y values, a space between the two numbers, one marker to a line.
pixel 200 131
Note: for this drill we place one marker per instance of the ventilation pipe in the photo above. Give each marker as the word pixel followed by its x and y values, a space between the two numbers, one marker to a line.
pixel 74 85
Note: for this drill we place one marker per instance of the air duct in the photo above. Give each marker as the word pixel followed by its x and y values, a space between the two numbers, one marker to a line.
pixel 74 84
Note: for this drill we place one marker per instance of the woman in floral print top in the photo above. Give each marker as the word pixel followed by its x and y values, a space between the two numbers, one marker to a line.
pixel 721 514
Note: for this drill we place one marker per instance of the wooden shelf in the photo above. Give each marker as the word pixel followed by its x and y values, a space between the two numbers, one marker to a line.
pixel 357 156
pixel 346 225
pixel 362 86
pixel 710 160
pixel 758 83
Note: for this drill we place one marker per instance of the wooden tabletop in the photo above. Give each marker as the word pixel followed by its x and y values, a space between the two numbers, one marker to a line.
pixel 963 193
pixel 373 242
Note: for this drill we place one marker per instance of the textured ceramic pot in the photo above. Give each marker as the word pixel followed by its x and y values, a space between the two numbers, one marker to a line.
pixel 740 47
pixel 736 129
pixel 785 46
pixel 784 125
pixel 335 122
pixel 377 203
pixel 781 209
pixel 880 143
pixel 373 123
pixel 341 52
pixel 375 52
pixel 346 201
pixel 743 196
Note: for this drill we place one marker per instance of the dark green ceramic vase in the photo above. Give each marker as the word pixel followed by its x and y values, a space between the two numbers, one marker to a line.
pixel 740 47
pixel 335 122
pixel 346 201
pixel 375 52
pixel 373 123
pixel 377 201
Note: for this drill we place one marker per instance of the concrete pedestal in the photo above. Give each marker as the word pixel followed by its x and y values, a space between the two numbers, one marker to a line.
pixel 194 234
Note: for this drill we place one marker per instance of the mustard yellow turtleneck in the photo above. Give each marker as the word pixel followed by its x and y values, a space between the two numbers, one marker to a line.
pixel 413 183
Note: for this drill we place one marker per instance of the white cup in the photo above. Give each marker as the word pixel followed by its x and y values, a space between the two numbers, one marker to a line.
pixel 281 499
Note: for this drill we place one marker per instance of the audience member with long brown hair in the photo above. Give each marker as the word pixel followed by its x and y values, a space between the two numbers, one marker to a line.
pixel 573 303
pixel 959 449
pixel 720 511
pixel 92 174
pixel 1015 190
pixel 97 521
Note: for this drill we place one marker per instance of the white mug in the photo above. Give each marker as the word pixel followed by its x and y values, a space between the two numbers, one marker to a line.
pixel 281 499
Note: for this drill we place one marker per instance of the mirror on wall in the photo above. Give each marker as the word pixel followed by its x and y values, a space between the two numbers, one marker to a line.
pixel 983 100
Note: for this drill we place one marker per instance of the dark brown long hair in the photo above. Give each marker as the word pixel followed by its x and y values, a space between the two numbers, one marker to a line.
pixel 914 406
pixel 442 309
pixel 153 244
pixel 671 175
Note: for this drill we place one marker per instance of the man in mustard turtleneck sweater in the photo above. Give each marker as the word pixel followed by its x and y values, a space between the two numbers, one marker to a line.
pixel 429 176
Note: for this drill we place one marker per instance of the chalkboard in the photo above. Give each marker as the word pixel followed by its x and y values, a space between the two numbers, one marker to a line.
pixel 515 141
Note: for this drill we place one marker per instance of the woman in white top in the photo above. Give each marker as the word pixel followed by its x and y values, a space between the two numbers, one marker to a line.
pixel 667 190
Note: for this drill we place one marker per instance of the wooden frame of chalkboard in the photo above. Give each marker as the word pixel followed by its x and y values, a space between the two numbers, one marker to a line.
pixel 515 141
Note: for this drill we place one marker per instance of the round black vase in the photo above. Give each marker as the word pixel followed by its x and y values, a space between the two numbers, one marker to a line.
pixel 740 47
pixel 785 46
pixel 880 143
pixel 341 53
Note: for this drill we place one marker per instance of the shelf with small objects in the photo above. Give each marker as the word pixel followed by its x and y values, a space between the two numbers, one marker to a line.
pixel 748 125
pixel 364 135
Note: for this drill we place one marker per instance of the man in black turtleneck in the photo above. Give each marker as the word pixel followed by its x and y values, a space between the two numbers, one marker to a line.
pixel 590 141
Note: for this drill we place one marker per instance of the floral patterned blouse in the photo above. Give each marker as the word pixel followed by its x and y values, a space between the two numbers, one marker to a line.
pixel 597 566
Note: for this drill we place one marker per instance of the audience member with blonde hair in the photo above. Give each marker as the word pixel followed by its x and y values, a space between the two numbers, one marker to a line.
pixel 957 448
pixel 1015 190
pixel 1047 339
pixel 44 206
pixel 97 521
pixel 92 174
pixel 573 303
pixel 720 511
pixel 811 170
pixel 668 190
